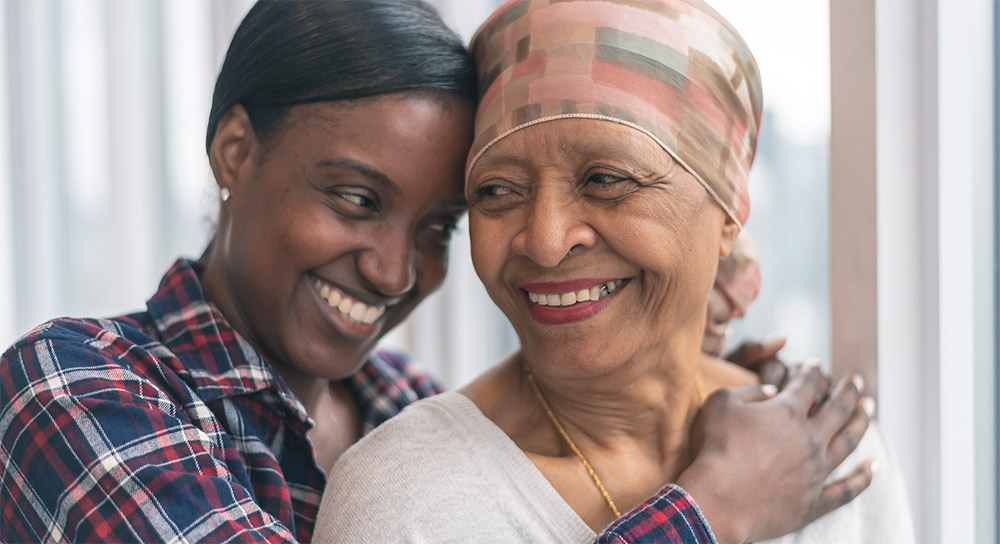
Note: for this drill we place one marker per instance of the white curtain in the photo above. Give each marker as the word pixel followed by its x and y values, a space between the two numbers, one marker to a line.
pixel 103 175
pixel 104 179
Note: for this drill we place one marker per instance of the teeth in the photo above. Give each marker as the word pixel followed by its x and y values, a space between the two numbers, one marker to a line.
pixel 355 310
pixel 358 311
pixel 596 292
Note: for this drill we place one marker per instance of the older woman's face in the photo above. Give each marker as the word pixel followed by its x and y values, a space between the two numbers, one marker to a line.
pixel 594 242
pixel 341 224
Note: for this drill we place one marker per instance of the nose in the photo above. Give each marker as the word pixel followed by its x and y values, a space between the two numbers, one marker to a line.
pixel 555 226
pixel 390 266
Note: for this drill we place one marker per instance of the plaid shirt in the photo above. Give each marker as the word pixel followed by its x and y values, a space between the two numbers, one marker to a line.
pixel 166 425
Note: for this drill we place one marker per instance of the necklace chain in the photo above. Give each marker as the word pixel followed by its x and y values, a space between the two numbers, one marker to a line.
pixel 576 450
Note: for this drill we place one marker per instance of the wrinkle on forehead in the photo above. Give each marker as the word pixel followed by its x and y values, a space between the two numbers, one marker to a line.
pixel 577 139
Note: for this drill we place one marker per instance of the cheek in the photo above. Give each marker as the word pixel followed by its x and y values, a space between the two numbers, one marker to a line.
pixel 482 235
pixel 489 241
pixel 431 271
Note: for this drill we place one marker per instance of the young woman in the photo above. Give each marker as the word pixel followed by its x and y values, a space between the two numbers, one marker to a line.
pixel 608 176
pixel 337 137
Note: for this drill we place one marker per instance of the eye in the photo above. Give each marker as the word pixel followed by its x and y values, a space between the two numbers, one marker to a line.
pixel 493 190
pixel 605 185
pixel 360 200
pixel 601 178
pixel 494 197
pixel 445 226
pixel 440 230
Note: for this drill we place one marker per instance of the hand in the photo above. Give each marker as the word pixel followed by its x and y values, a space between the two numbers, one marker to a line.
pixel 761 458
pixel 762 358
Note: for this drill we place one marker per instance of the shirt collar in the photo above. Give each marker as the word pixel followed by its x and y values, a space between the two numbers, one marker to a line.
pixel 215 359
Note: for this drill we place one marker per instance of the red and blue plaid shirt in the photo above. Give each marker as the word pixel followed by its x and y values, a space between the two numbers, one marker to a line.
pixel 166 425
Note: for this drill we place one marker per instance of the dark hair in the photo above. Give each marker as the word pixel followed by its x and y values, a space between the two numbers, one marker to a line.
pixel 294 52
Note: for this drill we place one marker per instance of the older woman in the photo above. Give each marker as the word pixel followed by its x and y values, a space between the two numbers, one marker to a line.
pixel 607 177
pixel 337 136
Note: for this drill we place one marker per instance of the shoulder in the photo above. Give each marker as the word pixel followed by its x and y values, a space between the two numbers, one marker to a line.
pixel 73 349
pixel 70 377
pixel 416 437
pixel 406 476
pixel 388 382
pixel 77 367
pixel 90 400
pixel 880 514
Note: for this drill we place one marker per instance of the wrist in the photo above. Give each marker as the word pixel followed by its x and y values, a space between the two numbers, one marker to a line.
pixel 716 502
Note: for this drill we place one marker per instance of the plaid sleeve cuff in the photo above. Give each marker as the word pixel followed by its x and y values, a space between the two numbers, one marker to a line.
pixel 669 516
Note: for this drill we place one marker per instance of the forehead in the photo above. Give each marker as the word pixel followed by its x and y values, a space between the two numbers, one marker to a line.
pixel 572 140
pixel 415 141
pixel 402 114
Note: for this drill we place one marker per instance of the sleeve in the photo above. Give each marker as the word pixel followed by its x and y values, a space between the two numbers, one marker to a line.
pixel 670 516
pixel 91 451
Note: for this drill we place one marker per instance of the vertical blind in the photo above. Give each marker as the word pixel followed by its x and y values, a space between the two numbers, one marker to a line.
pixel 104 179
pixel 103 175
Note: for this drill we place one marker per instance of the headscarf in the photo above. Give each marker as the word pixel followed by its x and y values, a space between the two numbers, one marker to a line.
pixel 673 69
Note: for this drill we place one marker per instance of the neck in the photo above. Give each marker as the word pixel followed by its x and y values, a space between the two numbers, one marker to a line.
pixel 645 406
pixel 308 388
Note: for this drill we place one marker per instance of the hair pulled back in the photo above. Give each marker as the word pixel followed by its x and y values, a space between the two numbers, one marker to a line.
pixel 289 52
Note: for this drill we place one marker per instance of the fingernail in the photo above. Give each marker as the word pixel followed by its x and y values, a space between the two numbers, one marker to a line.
pixel 812 361
pixel 868 405
pixel 859 382
pixel 874 466
pixel 769 390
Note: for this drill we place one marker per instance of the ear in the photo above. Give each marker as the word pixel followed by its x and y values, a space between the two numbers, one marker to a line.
pixel 730 231
pixel 232 149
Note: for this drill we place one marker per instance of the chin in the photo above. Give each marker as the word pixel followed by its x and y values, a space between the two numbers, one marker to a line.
pixel 330 361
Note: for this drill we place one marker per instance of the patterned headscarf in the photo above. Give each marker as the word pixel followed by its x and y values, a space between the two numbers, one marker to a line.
pixel 672 69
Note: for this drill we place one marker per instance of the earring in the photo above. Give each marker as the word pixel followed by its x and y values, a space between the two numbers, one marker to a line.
pixel 225 193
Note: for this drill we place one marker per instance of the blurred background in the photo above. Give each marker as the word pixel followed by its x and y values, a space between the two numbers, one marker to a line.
pixel 104 182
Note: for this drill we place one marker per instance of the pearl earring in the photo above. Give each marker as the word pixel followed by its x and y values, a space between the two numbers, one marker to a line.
pixel 225 193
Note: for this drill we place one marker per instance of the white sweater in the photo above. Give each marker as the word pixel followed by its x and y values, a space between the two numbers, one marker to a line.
pixel 442 472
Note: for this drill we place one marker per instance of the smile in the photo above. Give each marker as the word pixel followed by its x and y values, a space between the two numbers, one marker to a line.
pixel 570 298
pixel 352 309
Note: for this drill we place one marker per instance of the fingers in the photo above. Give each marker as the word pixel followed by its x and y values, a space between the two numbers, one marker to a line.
pixel 848 436
pixel 836 410
pixel 752 392
pixel 806 386
pixel 752 355
pixel 774 372
pixel 844 490
pixel 824 382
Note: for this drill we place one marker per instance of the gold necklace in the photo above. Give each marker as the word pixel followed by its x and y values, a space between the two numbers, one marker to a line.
pixel 576 450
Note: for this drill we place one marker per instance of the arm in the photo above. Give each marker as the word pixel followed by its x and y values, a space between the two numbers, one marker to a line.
pixel 669 516
pixel 93 452
pixel 734 437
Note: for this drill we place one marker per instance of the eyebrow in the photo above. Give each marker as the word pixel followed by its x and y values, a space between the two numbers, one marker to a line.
pixel 362 168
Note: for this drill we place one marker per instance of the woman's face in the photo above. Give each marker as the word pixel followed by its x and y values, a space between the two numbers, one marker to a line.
pixel 594 242
pixel 339 224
